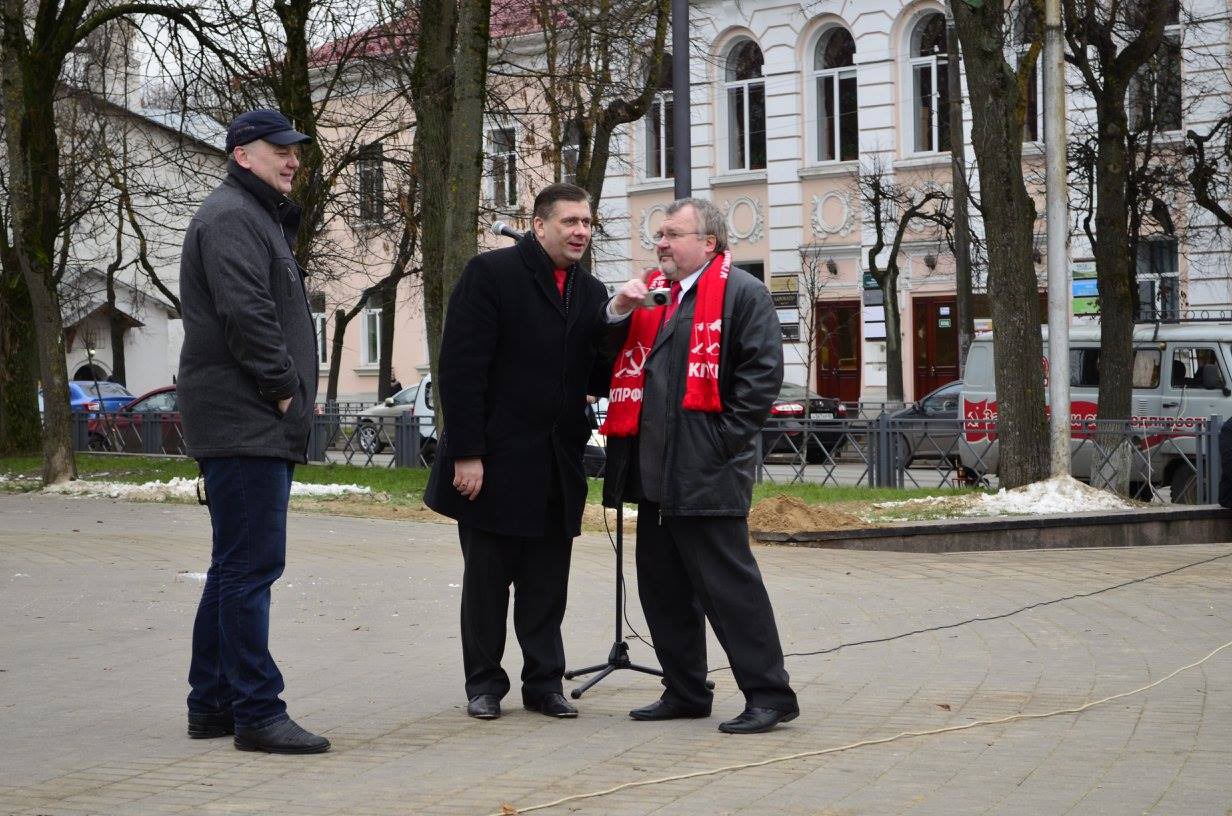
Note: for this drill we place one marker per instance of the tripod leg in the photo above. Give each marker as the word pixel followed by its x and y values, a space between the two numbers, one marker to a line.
pixel 644 669
pixel 582 689
pixel 569 675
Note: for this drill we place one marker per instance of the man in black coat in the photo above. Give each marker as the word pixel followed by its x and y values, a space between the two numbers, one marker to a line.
pixel 521 351
pixel 246 386
pixel 691 473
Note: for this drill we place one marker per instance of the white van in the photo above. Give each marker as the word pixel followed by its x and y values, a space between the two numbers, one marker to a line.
pixel 1181 375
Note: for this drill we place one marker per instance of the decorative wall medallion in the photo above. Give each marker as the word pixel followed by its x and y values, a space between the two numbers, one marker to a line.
pixel 754 221
pixel 840 218
pixel 647 235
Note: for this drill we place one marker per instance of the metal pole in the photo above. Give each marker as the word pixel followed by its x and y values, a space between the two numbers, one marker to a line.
pixel 1059 303
pixel 682 165
pixel 958 176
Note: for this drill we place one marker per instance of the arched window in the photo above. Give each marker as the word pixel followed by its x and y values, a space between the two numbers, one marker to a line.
pixel 660 148
pixel 834 75
pixel 930 91
pixel 746 107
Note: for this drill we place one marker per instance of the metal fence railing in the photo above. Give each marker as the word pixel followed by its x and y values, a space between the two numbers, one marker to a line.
pixel 1169 462
pixel 1166 462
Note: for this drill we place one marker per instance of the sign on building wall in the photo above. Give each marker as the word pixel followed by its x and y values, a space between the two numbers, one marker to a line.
pixel 785 292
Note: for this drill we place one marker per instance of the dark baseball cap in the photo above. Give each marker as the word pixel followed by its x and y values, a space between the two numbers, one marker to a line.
pixel 269 125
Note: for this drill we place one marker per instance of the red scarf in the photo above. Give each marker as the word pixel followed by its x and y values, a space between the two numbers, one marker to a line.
pixel 701 389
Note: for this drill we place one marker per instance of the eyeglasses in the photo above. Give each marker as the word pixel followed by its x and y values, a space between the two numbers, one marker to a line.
pixel 673 236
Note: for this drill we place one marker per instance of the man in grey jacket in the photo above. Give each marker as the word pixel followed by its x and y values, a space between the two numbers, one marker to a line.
pixel 691 469
pixel 247 384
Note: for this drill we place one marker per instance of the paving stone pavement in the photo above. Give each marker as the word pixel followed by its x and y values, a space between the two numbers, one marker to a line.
pixel 97 600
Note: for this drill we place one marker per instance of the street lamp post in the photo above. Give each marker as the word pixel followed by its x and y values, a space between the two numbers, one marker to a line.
pixel 682 164
pixel 1059 303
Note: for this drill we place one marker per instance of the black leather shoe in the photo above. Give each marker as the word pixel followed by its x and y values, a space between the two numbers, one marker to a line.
pixel 667 710
pixel 283 737
pixel 754 720
pixel 210 724
pixel 553 705
pixel 483 707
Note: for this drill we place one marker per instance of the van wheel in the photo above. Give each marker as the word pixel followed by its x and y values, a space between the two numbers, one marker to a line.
pixel 1184 483
pixel 428 452
pixel 370 441
pixel 99 442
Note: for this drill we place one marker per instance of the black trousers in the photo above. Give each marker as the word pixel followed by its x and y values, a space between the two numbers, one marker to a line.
pixel 538 570
pixel 694 569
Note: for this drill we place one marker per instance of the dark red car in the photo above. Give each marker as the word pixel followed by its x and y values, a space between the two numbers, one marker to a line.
pixel 120 431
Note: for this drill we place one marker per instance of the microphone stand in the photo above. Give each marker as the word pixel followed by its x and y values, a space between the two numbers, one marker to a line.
pixel 618 657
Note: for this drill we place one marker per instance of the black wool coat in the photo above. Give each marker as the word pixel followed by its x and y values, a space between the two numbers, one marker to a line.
pixel 515 369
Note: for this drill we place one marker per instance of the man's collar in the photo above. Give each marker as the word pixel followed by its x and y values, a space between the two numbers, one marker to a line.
pixel 282 208
pixel 687 283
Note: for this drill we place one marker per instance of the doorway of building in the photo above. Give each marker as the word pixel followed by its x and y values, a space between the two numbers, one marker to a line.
pixel 936 342
pixel 838 349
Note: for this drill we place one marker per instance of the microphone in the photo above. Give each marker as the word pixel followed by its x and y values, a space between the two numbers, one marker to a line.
pixel 501 228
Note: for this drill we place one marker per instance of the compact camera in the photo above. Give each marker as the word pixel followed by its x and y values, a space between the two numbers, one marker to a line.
pixel 657 297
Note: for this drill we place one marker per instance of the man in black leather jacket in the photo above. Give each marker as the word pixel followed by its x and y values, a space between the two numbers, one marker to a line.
pixel 691 473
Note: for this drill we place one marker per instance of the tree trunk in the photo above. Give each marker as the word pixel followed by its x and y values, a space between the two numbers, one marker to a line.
pixel 341 319
pixel 894 336
pixel 19 418
pixel 998 106
pixel 389 299
pixel 28 79
pixel 466 154
pixel 432 88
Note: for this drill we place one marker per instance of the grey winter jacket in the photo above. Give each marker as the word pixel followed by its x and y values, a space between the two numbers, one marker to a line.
pixel 249 340
pixel 695 463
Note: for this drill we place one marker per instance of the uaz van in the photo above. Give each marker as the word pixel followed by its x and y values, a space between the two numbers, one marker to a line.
pixel 1180 376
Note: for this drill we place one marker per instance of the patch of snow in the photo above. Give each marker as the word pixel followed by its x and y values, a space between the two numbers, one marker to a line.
pixel 21 575
pixel 181 488
pixel 191 576
pixel 1060 494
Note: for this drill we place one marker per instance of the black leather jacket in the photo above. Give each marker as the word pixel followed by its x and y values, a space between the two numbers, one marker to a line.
pixel 708 465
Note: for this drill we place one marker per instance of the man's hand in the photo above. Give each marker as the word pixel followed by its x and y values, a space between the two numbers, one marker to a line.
pixel 284 405
pixel 629 296
pixel 468 476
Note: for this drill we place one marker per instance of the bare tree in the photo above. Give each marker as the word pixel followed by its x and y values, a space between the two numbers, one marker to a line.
pixel 891 210
pixel 816 273
pixel 998 80
pixel 36 41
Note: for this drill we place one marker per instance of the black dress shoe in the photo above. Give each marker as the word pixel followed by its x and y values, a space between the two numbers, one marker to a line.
pixel 553 705
pixel 283 737
pixel 210 724
pixel 666 710
pixel 754 720
pixel 483 707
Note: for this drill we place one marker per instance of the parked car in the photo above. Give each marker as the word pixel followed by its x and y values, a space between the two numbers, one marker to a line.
pixel 121 430
pixel 795 402
pixel 594 458
pixel 375 429
pixel 1180 378
pixel 88 396
pixel 923 435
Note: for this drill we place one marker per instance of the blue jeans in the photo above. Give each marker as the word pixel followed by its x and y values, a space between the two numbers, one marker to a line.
pixel 231 663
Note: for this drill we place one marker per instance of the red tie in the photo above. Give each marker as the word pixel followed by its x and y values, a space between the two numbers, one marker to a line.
pixel 673 300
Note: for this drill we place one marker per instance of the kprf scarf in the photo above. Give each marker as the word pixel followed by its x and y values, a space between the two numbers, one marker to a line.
pixel 701 388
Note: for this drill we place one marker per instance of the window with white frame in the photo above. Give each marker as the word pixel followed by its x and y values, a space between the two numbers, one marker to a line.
pixel 503 154
pixel 745 90
pixel 660 151
pixel 1154 98
pixel 1158 277
pixel 319 322
pixel 370 170
pixel 838 127
pixel 929 86
pixel 370 342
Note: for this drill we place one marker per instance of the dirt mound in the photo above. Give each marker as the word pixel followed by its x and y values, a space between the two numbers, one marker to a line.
pixel 786 514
